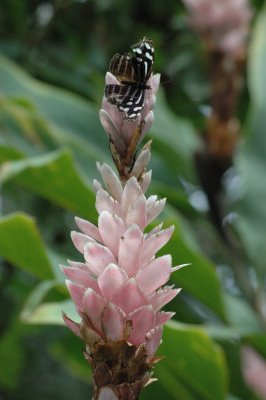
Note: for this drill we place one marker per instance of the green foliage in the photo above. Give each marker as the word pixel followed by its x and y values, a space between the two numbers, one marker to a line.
pixel 50 140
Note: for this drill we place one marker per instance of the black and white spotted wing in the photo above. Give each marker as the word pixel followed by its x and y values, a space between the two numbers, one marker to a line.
pixel 133 72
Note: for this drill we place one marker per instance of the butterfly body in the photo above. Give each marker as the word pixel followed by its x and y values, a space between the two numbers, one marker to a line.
pixel 133 73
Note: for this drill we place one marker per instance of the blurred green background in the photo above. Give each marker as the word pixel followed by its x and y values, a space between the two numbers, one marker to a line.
pixel 54 55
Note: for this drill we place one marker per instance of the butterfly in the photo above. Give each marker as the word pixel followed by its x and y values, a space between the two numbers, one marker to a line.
pixel 133 72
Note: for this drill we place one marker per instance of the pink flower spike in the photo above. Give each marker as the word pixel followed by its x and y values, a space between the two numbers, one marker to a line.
pixel 80 240
pixel 155 274
pixel 98 257
pixel 142 321
pixel 118 288
pixel 88 228
pixel 110 280
pixel 113 322
pixel 129 297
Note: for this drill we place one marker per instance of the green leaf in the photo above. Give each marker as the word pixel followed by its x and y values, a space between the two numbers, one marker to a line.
pixel 50 313
pixel 11 356
pixel 55 177
pixel 174 141
pixel 241 315
pixel 64 109
pixel 21 245
pixel 69 353
pixel 258 341
pixel 257 60
pixel 192 360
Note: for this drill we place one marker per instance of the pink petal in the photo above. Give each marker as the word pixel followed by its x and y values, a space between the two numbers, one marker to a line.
pixel 130 129
pixel 96 185
pixel 145 181
pixel 107 393
pixel 111 228
pixel 104 202
pixel 76 264
pixel 154 210
pixel 113 322
pixel 80 240
pixel 141 162
pixel 81 277
pixel 154 231
pixel 154 243
pixel 109 125
pixel 163 317
pixel 97 257
pixel 142 321
pixel 153 340
pixel 136 213
pixel 111 181
pixel 129 297
pixel 130 193
pixel 73 326
pixel 151 200
pixel 93 305
pixel 155 82
pixel 162 297
pixel 76 292
pixel 155 274
pixel 148 121
pixel 110 79
pixel 130 250
pixel 110 280
pixel 88 228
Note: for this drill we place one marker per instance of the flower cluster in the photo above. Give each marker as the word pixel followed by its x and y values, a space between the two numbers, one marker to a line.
pixel 120 287
pixel 226 22
pixel 117 290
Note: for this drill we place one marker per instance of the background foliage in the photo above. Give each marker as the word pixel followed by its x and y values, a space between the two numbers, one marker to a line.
pixel 54 58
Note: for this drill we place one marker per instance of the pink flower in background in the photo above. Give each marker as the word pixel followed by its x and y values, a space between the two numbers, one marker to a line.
pixel 254 370
pixel 225 21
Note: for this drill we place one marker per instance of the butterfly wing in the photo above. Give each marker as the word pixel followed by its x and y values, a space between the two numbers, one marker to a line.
pixel 143 59
pixel 129 99
pixel 121 67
